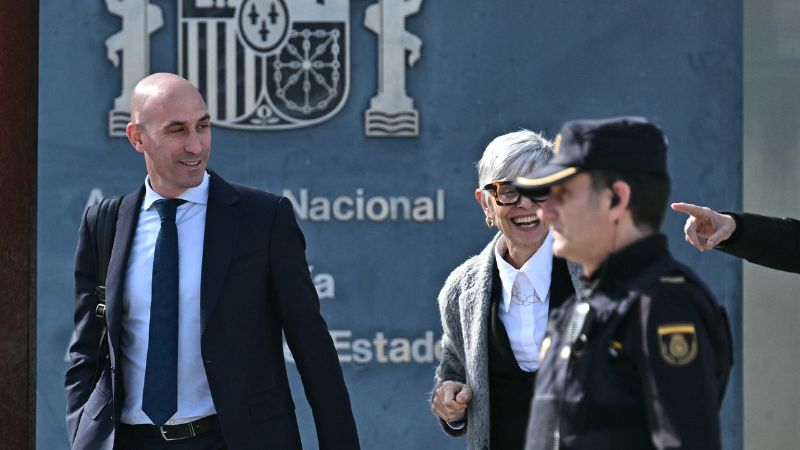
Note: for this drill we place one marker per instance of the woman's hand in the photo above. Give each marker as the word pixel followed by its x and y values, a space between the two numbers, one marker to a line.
pixel 450 401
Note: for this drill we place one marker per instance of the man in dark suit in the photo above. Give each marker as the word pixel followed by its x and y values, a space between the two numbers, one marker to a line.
pixel 204 278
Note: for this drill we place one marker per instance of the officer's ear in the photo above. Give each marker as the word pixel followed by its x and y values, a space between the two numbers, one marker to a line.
pixel 619 197
pixel 614 199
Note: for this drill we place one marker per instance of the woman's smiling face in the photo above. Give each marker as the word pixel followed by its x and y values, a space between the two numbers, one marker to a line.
pixel 524 232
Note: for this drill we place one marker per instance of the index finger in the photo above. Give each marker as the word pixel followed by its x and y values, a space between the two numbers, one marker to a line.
pixel 688 208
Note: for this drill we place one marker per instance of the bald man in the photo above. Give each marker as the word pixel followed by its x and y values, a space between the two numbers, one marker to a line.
pixel 204 279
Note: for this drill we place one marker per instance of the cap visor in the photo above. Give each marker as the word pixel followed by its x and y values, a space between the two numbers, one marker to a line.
pixel 542 179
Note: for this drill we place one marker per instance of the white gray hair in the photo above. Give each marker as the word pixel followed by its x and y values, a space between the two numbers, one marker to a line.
pixel 513 155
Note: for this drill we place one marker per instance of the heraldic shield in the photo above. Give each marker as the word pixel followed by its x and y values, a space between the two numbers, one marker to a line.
pixel 266 64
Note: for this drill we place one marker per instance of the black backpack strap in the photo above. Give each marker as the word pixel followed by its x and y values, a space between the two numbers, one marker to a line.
pixel 104 234
pixel 105 228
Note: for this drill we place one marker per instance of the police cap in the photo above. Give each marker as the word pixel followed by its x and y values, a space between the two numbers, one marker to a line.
pixel 619 144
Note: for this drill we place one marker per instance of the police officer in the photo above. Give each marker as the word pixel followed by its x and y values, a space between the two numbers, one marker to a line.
pixel 640 357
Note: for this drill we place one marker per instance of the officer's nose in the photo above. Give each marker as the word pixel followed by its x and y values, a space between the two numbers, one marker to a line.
pixel 546 212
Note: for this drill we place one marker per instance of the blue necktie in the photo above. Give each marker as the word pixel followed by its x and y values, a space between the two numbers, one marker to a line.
pixel 160 397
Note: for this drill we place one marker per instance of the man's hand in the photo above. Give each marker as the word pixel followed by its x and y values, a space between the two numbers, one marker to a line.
pixel 705 228
pixel 450 401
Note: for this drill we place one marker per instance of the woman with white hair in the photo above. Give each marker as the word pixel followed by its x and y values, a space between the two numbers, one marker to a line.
pixel 494 306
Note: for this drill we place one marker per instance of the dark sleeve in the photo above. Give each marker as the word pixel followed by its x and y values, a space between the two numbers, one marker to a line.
pixel 307 334
pixel 680 378
pixel 83 351
pixel 768 241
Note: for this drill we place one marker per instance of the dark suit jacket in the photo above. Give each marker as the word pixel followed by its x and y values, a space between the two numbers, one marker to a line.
pixel 768 241
pixel 255 284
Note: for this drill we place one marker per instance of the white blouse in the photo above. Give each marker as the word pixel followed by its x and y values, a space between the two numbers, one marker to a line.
pixel 526 298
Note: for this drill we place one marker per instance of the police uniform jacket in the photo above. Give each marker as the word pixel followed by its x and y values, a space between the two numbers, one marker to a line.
pixel 646 369
pixel 768 241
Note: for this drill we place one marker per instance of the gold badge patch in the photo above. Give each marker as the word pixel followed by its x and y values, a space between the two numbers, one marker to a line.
pixel 557 144
pixel 678 343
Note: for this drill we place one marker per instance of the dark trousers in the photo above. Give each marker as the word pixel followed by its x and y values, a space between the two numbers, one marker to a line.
pixel 128 439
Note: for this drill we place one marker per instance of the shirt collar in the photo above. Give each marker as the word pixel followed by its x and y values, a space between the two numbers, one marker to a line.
pixel 537 269
pixel 197 194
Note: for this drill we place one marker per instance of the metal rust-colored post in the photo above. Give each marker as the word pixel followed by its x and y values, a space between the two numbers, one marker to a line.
pixel 19 82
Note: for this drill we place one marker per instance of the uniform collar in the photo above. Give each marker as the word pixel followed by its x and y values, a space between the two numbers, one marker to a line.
pixel 626 263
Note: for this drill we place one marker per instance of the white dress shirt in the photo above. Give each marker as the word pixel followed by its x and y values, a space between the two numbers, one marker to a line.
pixel 526 299
pixel 194 396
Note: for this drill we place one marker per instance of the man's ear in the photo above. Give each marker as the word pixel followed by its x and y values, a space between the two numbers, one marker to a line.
pixel 134 133
pixel 620 198
pixel 614 199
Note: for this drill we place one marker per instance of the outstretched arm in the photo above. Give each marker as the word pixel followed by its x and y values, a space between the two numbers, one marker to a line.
pixel 772 242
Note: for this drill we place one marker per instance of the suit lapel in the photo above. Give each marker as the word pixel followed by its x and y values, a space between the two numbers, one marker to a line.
pixel 127 219
pixel 222 231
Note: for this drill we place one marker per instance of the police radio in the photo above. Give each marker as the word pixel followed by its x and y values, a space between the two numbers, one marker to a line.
pixel 578 325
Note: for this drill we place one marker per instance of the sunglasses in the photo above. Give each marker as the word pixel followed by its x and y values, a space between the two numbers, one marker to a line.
pixel 505 194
